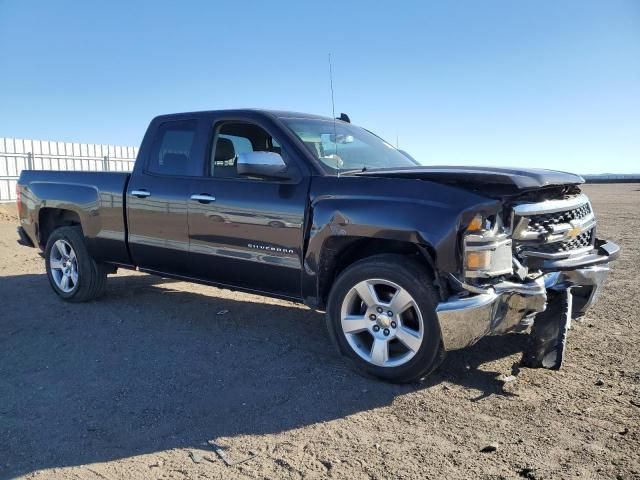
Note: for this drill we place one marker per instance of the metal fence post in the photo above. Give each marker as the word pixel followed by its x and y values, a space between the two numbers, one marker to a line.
pixel 29 161
pixel 105 163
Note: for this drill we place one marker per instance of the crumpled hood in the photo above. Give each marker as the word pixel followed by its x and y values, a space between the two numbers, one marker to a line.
pixel 505 180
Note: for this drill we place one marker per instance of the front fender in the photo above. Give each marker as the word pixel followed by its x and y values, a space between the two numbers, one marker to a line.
pixel 415 211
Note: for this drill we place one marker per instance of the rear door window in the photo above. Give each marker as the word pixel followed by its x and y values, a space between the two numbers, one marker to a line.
pixel 174 147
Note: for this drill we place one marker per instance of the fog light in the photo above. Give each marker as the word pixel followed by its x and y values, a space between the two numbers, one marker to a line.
pixel 479 260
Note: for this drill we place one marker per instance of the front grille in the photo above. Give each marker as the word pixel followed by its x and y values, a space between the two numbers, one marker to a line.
pixel 553 229
pixel 545 221
pixel 565 246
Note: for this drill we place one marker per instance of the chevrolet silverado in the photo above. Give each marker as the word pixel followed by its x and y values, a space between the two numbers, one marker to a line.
pixel 407 261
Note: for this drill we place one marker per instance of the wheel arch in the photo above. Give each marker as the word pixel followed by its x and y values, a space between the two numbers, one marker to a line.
pixel 340 252
pixel 49 219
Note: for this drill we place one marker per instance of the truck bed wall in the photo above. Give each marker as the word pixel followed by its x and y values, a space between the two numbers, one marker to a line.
pixel 96 197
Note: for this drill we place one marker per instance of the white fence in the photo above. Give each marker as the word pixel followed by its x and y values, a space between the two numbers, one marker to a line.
pixel 17 155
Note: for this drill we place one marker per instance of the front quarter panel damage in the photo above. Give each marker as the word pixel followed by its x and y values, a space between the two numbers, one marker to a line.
pixel 418 212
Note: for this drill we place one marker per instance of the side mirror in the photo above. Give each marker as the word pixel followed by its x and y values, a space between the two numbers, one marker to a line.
pixel 261 164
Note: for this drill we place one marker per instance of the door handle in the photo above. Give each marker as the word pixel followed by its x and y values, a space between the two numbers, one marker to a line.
pixel 203 198
pixel 140 193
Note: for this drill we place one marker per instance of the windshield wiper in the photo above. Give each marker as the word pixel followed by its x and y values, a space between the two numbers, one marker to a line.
pixel 353 172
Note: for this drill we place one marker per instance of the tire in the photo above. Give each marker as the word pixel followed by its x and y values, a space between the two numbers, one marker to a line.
pixel 86 278
pixel 386 273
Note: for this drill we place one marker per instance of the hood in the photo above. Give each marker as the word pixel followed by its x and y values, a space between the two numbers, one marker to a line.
pixel 496 180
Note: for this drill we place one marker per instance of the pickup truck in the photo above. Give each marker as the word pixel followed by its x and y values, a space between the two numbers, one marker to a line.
pixel 407 261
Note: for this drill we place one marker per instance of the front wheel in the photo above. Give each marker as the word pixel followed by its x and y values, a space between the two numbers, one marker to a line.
pixel 72 273
pixel 382 315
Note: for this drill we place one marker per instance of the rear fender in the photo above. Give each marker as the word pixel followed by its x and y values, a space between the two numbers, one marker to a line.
pixel 81 200
pixel 101 215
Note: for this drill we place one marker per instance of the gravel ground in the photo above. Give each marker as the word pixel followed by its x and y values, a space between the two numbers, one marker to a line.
pixel 135 385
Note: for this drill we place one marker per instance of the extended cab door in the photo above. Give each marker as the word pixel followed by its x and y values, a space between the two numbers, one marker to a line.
pixel 158 195
pixel 247 231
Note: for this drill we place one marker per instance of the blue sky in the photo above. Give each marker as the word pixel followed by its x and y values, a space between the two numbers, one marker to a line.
pixel 538 83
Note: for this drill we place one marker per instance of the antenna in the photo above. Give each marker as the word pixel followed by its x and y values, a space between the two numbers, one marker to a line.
pixel 333 115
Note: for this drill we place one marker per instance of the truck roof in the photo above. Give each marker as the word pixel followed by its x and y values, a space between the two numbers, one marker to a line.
pixel 245 111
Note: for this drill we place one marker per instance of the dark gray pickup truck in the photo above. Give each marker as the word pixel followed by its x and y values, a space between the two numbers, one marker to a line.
pixel 407 261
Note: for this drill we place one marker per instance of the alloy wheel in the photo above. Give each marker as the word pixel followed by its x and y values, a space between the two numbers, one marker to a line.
pixel 382 322
pixel 64 266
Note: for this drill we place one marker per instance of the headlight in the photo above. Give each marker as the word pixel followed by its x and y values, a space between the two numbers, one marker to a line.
pixel 487 249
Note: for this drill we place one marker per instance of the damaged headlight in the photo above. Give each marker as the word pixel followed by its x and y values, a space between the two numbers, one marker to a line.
pixel 486 248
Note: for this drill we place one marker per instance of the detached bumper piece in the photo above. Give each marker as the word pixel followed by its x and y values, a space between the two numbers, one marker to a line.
pixel 548 339
pixel 23 238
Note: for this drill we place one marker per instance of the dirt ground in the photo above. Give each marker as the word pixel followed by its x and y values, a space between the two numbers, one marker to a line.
pixel 135 384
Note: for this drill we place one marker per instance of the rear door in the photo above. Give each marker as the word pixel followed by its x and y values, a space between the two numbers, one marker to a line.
pixel 248 232
pixel 158 196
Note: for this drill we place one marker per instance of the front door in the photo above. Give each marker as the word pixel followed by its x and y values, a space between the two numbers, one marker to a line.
pixel 247 232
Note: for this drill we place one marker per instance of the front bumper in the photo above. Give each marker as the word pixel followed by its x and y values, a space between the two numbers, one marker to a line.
pixel 506 306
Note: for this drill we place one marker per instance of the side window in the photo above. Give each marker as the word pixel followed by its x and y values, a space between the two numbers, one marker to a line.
pixel 240 144
pixel 233 138
pixel 173 152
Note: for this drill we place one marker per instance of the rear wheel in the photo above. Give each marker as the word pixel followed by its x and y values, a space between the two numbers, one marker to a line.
pixel 72 273
pixel 382 315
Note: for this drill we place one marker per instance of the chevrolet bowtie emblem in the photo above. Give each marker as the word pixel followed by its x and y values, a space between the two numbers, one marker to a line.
pixel 575 231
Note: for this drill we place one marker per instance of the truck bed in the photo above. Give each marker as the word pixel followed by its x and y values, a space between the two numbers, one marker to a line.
pixel 97 200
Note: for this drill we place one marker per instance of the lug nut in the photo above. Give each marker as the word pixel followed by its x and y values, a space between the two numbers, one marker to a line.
pixel 386 332
pixel 394 324
pixel 389 313
pixel 372 317
pixel 376 328
pixel 379 309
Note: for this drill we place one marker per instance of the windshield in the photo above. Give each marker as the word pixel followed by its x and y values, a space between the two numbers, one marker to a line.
pixel 342 146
